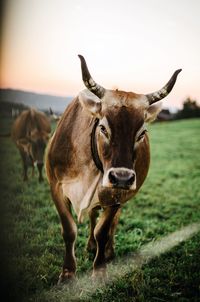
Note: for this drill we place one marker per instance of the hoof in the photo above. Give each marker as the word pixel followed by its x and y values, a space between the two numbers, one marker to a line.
pixel 99 275
pixel 66 277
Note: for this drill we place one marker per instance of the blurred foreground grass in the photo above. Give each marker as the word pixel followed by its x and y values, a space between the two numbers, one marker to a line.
pixel 32 247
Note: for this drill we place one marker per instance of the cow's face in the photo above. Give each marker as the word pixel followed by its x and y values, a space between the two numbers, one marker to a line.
pixel 38 144
pixel 34 145
pixel 121 129
pixel 118 134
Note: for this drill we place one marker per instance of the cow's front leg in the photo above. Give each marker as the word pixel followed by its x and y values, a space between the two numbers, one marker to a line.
pixel 101 234
pixel 69 231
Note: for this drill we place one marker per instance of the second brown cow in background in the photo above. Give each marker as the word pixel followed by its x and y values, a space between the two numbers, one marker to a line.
pixel 30 132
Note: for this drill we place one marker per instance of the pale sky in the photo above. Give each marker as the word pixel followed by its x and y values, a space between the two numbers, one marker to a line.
pixel 133 45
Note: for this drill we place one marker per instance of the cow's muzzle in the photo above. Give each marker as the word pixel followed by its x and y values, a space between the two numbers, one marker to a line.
pixel 120 178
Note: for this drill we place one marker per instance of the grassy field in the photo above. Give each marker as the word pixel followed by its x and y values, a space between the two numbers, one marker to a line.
pixel 32 247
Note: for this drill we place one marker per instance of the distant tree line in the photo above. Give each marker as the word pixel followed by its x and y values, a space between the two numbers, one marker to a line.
pixel 190 110
pixel 8 108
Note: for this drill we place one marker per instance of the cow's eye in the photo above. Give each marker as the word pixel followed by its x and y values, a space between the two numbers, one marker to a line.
pixel 103 130
pixel 141 135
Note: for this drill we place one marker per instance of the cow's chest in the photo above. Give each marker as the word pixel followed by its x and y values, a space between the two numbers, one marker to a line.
pixel 82 193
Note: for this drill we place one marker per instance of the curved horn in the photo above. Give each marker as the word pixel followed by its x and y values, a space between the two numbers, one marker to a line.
pixel 88 80
pixel 160 94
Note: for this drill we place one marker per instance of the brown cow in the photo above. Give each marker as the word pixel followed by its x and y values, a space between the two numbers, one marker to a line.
pixel 98 158
pixel 30 133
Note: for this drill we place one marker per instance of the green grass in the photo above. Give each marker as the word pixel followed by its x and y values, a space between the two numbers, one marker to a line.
pixel 170 198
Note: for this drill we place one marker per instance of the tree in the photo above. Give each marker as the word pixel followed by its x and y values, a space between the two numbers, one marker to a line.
pixel 190 109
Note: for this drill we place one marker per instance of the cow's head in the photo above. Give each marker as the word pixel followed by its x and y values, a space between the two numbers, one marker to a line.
pixel 34 145
pixel 122 126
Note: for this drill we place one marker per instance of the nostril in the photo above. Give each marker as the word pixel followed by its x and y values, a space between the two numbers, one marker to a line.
pixel 131 180
pixel 112 177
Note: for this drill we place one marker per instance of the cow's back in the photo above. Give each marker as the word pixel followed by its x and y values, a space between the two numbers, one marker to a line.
pixel 69 148
pixel 29 120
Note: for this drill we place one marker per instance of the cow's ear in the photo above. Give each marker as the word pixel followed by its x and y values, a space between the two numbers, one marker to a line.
pixel 152 112
pixel 90 102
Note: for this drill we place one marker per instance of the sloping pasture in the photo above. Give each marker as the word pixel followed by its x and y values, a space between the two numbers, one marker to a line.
pixel 32 247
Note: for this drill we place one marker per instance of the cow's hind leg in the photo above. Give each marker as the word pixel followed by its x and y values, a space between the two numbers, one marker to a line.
pixel 101 234
pixel 91 244
pixel 69 231
pixel 109 252
pixel 40 166
pixel 33 168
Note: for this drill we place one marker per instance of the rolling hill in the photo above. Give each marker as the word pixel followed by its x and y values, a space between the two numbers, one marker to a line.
pixel 39 101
